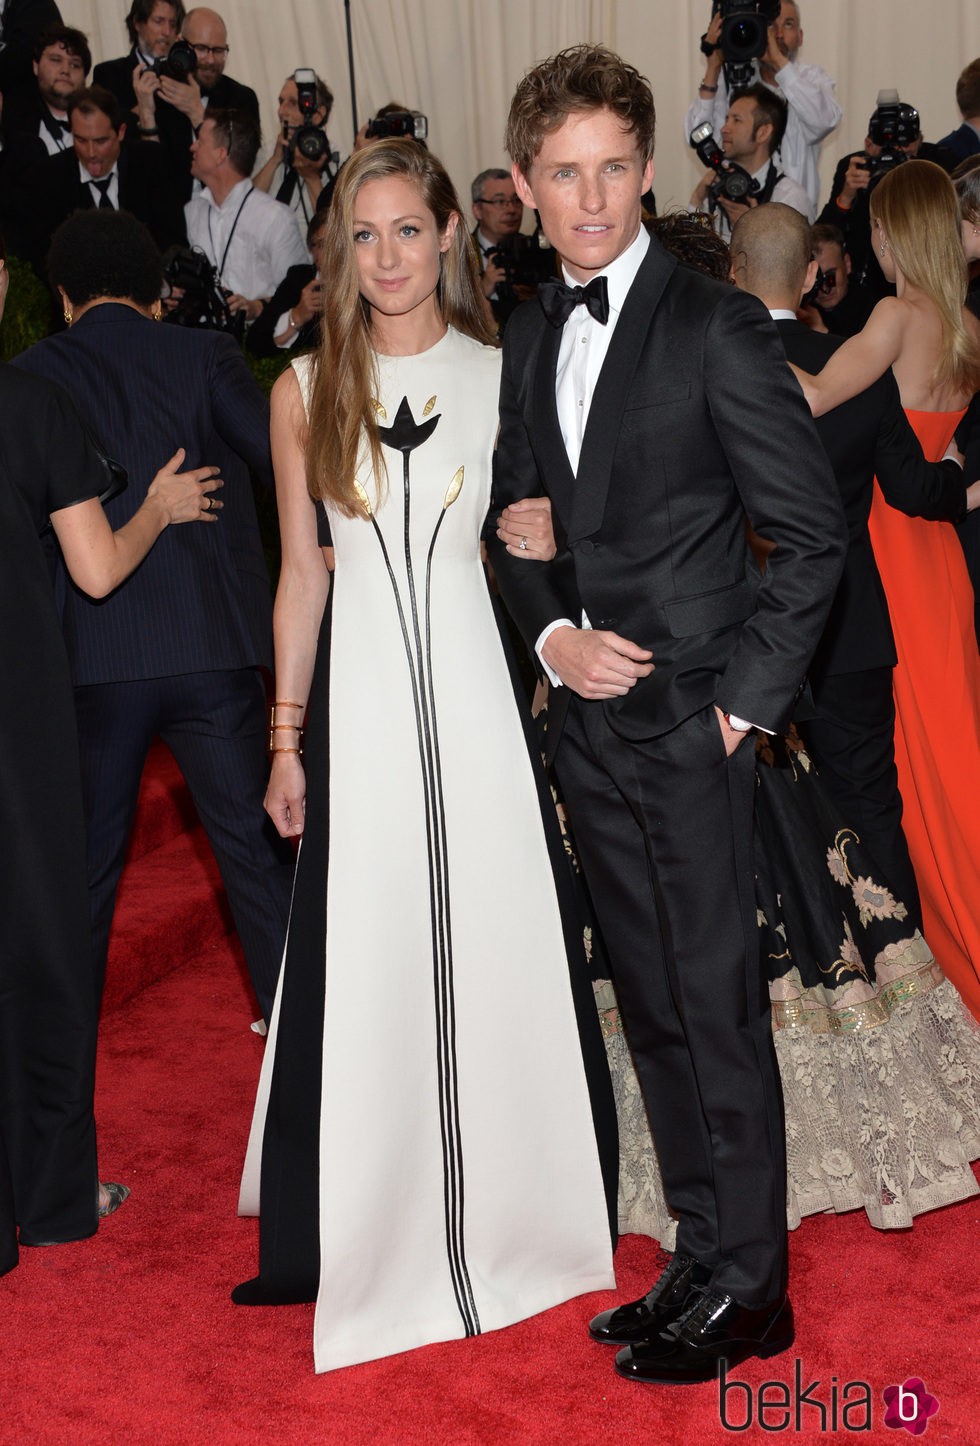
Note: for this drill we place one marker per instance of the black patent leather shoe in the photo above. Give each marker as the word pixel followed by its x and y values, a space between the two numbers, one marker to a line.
pixel 643 1319
pixel 713 1328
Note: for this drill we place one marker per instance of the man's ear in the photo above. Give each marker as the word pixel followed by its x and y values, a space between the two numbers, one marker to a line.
pixel 522 186
pixel 763 134
pixel 847 262
pixel 810 279
pixel 121 132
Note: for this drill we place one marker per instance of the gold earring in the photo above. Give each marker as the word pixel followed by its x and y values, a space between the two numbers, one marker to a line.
pixel 157 311
pixel 69 315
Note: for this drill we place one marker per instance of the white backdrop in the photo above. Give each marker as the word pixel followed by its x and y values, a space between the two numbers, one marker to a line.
pixel 458 61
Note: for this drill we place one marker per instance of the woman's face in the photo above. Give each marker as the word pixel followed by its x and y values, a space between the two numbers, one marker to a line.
pixel 970 231
pixel 398 246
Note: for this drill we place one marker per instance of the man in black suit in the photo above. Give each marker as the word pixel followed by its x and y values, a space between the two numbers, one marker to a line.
pixel 103 171
pixel 21 22
pixel 172 111
pixel 176 651
pixel 655 408
pixel 851 733
pixel 153 26
pixel 965 142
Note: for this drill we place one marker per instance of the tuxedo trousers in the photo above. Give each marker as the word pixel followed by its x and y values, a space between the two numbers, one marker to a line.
pixel 851 739
pixel 215 725
pixel 663 829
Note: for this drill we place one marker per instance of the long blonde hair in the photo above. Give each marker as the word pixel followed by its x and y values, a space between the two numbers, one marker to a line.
pixel 342 413
pixel 917 206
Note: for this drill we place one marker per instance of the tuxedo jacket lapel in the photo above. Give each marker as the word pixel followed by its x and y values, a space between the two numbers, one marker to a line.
pixel 612 388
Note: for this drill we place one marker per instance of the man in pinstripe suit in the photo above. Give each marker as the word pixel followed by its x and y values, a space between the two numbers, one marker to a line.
pixel 176 651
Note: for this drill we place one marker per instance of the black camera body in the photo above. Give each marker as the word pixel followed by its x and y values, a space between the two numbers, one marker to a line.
pixel 744 35
pixel 823 285
pixel 523 259
pixel 411 124
pixel 307 140
pixel 204 302
pixel 894 124
pixel 732 181
pixel 179 63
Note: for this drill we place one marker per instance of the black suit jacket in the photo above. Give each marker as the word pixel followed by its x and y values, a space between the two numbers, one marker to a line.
pixel 23 21
pixel 260 335
pixel 869 436
pixel 963 142
pixel 695 421
pixel 201 599
pixel 146 188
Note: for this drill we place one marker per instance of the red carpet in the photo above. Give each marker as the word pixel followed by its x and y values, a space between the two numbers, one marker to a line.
pixel 131 1337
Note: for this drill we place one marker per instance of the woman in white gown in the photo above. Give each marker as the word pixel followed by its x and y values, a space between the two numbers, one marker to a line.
pixel 422 1157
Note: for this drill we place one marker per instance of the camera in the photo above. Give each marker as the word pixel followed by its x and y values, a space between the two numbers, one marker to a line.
pixel 744 35
pixel 822 286
pixel 179 63
pixel 731 180
pixel 409 123
pixel 204 302
pixel 524 260
pixel 894 124
pixel 308 140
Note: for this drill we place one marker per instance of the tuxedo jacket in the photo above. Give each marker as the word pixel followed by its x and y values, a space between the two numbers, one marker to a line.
pixel 695 422
pixel 963 142
pixel 22 23
pixel 201 600
pixel 869 436
pixel 146 188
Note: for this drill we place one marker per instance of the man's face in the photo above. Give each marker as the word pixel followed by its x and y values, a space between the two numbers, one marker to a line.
pixel 738 135
pixel 206 32
pixel 58 75
pixel 586 182
pixel 829 257
pixel 207 154
pixel 157 33
pixel 96 144
pixel 786 29
pixel 499 211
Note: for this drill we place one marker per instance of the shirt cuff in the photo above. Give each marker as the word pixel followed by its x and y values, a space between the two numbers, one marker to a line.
pixel 284 325
pixel 742 725
pixel 543 637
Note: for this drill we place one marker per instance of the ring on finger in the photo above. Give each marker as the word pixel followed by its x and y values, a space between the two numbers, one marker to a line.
pixel 523 544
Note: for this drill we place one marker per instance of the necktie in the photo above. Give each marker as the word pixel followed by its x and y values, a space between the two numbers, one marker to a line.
pixel 103 189
pixel 559 301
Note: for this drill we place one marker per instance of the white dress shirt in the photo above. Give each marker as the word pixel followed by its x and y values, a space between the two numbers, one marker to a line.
pixel 89 180
pixel 250 239
pixel 813 113
pixel 584 343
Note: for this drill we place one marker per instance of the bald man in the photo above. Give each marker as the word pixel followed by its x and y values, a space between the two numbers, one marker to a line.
pixel 851 735
pixel 171 111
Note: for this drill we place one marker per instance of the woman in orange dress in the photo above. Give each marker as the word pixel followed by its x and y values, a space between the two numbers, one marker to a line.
pixel 932 343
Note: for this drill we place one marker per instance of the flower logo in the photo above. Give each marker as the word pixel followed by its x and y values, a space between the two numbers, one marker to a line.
pixel 909 1405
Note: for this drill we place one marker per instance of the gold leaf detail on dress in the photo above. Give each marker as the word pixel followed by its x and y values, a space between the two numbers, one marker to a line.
pixel 363 499
pixel 428 406
pixel 379 409
pixel 455 488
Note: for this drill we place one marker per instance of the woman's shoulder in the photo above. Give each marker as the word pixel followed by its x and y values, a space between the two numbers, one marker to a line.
pixel 476 353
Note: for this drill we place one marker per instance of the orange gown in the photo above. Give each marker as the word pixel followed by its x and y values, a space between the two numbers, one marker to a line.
pixel 937 716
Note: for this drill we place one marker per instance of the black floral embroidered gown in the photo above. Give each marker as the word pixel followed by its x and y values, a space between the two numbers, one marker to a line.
pixel 422 1144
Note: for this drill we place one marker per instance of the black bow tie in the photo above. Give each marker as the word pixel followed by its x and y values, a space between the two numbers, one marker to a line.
pixel 559 300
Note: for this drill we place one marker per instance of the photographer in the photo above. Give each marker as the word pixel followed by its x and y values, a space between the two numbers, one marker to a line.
pixel 250 239
pixel 153 26
pixel 291 175
pixel 894 135
pixel 837 304
pixel 499 212
pixel 290 322
pixel 807 90
pixel 751 135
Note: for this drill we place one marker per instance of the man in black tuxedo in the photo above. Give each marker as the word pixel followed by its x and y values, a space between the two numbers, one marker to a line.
pixel 656 415
pixel 104 171
pixel 851 733
pixel 153 26
pixel 176 651
pixel 21 22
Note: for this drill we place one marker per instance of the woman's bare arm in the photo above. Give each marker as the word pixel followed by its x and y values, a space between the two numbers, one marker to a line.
pixel 859 362
pixel 300 599
pixel 100 559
